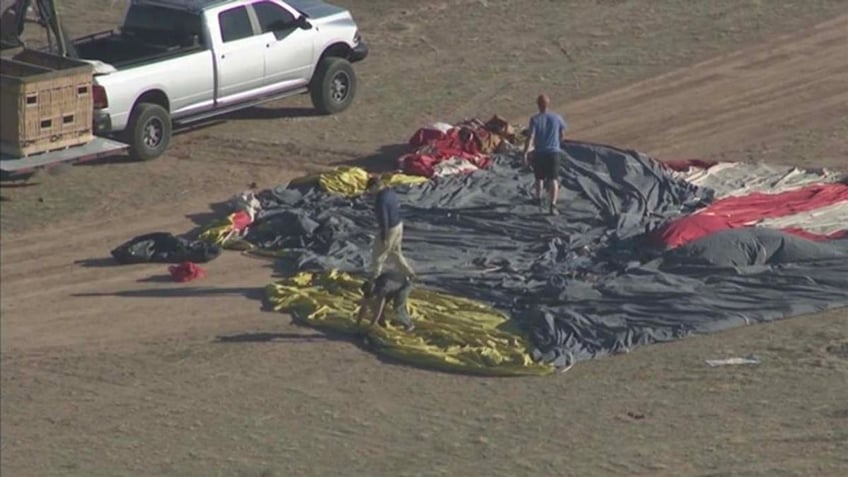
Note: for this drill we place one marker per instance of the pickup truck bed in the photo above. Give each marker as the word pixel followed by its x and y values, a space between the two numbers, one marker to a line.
pixel 121 50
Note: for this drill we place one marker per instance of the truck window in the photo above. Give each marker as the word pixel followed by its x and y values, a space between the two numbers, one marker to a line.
pixel 272 17
pixel 235 24
pixel 161 25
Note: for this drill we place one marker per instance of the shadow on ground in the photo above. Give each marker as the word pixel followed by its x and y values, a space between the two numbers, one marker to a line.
pixel 201 220
pixel 268 337
pixel 324 336
pixel 265 112
pixel 117 159
pixel 252 293
pixel 103 262
pixel 157 279
pixel 384 159
pixel 19 182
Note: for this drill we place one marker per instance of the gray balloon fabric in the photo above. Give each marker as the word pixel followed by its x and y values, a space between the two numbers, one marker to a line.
pixel 583 284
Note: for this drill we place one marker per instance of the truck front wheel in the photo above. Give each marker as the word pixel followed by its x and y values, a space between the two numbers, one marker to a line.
pixel 148 132
pixel 333 86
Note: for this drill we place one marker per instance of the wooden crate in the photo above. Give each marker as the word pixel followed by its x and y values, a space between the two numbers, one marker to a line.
pixel 45 103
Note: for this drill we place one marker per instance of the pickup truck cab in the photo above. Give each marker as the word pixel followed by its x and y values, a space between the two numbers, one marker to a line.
pixel 180 61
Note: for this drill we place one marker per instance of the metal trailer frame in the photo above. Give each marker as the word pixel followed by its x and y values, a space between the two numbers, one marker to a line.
pixel 97 148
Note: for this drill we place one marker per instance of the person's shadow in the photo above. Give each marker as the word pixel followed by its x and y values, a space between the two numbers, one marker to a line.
pixel 269 337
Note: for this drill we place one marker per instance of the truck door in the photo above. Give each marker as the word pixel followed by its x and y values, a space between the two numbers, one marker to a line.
pixel 288 49
pixel 240 61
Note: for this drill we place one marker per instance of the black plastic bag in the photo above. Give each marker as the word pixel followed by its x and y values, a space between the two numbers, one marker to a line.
pixel 163 247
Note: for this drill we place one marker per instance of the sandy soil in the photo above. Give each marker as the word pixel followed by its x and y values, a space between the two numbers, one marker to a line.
pixel 115 371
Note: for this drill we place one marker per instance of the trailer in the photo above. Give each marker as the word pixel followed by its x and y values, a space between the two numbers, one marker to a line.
pixel 47 99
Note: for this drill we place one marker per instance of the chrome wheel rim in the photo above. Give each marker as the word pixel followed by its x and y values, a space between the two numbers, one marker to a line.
pixel 153 132
pixel 340 87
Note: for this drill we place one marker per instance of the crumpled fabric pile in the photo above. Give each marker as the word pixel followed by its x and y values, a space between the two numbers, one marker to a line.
pixel 441 149
pixel 585 283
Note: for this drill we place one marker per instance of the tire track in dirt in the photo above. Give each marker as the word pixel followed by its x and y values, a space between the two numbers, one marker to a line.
pixel 747 97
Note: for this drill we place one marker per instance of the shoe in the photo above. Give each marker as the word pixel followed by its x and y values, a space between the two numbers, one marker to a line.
pixel 541 203
pixel 554 211
pixel 409 328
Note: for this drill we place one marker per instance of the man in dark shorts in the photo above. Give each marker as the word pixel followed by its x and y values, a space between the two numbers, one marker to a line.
pixel 546 133
pixel 390 286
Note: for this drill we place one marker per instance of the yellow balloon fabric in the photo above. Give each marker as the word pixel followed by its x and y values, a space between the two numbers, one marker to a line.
pixel 351 181
pixel 220 232
pixel 452 333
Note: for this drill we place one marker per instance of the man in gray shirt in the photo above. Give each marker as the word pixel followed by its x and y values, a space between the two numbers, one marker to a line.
pixel 546 133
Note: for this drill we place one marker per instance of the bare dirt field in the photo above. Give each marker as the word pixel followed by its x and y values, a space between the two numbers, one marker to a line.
pixel 113 371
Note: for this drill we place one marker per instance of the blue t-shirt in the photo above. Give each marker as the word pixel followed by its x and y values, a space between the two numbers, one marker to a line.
pixel 547 129
pixel 387 210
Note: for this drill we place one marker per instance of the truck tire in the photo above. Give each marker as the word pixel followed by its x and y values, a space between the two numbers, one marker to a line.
pixel 148 132
pixel 333 86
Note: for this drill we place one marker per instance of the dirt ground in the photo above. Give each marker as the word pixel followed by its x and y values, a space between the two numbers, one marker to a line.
pixel 114 371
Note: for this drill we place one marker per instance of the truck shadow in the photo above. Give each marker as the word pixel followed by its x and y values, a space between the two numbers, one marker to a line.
pixel 267 112
pixel 177 131
pixel 256 112
pixel 11 182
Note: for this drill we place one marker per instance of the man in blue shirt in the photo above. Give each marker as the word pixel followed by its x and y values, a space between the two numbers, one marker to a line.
pixel 546 133
pixel 390 237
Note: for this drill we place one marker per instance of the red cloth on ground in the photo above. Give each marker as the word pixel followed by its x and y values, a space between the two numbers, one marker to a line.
pixel 186 272
pixel 763 206
pixel 683 165
pixel 425 165
pixel 457 142
pixel 240 220
pixel 735 212
pixel 418 165
pixel 424 135
pixel 687 229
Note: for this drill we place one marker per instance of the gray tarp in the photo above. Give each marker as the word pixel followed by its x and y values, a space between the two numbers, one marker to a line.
pixel 582 283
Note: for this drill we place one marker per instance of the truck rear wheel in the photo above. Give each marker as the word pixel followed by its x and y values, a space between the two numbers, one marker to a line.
pixel 333 86
pixel 148 132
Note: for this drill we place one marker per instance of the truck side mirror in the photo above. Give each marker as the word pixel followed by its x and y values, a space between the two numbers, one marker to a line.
pixel 303 23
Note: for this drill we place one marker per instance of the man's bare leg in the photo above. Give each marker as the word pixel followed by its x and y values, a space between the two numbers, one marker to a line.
pixel 378 318
pixel 363 308
pixel 554 185
pixel 539 198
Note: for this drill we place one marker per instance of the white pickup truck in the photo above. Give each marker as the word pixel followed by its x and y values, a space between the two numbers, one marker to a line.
pixel 180 61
